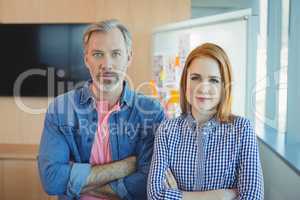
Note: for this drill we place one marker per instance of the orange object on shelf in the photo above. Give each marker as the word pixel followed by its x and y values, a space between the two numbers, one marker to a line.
pixel 177 61
pixel 172 103
pixel 174 97
pixel 153 88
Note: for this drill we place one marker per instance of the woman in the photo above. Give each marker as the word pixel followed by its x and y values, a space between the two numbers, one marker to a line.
pixel 207 152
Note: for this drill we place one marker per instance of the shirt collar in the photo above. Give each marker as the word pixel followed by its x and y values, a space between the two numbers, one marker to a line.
pixel 192 123
pixel 126 96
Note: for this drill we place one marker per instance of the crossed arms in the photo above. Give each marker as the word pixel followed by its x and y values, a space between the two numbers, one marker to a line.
pixel 101 175
pixel 60 177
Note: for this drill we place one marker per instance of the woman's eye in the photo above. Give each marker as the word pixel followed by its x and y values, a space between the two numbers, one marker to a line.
pixel 195 78
pixel 214 80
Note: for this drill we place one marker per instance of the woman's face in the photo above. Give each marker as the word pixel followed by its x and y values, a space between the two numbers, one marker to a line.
pixel 204 85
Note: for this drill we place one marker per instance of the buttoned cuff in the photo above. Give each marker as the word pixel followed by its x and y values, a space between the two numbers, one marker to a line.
pixel 78 177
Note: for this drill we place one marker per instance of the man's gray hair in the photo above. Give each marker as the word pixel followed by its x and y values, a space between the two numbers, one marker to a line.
pixel 106 26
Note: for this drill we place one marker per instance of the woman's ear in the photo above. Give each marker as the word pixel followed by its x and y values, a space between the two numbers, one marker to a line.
pixel 129 58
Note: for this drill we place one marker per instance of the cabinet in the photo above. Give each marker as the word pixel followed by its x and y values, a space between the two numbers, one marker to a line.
pixel 45 11
pixel 19 177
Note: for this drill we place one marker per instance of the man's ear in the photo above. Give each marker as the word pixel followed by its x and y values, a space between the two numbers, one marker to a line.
pixel 85 61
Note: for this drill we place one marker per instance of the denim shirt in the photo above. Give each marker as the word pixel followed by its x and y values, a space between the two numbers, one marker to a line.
pixel 69 130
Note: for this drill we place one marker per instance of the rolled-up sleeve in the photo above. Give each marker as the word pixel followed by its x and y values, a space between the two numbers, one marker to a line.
pixel 57 174
pixel 155 188
pixel 250 177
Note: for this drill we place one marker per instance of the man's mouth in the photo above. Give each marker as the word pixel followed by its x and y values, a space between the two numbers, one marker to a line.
pixel 108 75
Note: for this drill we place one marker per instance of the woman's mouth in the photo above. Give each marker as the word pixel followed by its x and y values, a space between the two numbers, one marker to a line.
pixel 203 99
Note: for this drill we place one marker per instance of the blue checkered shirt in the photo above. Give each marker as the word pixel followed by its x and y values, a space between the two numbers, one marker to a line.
pixel 214 156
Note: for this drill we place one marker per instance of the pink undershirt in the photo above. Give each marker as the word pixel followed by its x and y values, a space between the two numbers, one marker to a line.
pixel 100 153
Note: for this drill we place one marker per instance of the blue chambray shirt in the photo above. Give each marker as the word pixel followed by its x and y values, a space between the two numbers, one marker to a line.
pixel 69 130
pixel 211 157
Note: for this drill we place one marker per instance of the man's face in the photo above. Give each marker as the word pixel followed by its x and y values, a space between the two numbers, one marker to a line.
pixel 107 58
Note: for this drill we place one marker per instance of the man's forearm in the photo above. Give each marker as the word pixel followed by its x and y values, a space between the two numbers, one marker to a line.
pixel 103 174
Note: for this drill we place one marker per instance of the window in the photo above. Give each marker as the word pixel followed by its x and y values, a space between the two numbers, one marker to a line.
pixel 261 72
pixel 282 86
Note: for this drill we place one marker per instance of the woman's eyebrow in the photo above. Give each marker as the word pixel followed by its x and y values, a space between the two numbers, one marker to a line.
pixel 217 77
pixel 197 74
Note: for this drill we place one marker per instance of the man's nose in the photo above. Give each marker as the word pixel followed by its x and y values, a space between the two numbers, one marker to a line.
pixel 106 64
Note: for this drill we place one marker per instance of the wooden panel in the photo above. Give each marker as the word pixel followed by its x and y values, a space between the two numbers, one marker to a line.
pixel 21 126
pixel 21 180
pixel 141 33
pixel 19 11
pixel 1 180
pixel 28 119
pixel 9 118
pixel 18 152
pixel 113 9
pixel 67 11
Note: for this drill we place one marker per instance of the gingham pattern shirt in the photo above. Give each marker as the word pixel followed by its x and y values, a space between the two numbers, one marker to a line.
pixel 214 156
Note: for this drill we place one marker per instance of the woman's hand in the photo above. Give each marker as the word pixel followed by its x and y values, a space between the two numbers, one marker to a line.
pixel 170 181
pixel 229 194
pixel 221 194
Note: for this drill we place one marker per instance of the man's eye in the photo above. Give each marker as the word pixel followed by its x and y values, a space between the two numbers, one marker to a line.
pixel 97 55
pixel 116 54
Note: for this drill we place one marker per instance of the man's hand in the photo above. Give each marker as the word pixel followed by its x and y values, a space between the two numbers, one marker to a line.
pixel 130 167
pixel 104 192
pixel 170 181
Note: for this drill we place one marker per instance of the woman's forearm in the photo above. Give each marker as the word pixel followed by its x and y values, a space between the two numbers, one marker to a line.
pixel 210 195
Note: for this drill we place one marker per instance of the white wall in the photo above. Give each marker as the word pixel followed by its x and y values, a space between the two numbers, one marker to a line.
pixel 281 182
pixel 202 8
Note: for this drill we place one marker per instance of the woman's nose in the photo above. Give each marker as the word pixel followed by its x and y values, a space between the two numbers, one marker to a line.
pixel 203 88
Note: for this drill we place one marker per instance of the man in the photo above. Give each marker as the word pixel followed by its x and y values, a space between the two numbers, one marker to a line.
pixel 98 139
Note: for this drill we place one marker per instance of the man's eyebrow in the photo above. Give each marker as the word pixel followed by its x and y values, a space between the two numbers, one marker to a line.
pixel 97 51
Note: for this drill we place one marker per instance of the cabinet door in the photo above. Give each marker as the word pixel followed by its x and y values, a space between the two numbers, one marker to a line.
pixel 20 180
pixel 1 180
pixel 47 11
pixel 19 11
pixel 68 11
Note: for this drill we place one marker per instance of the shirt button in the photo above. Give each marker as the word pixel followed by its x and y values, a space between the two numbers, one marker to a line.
pixel 89 140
